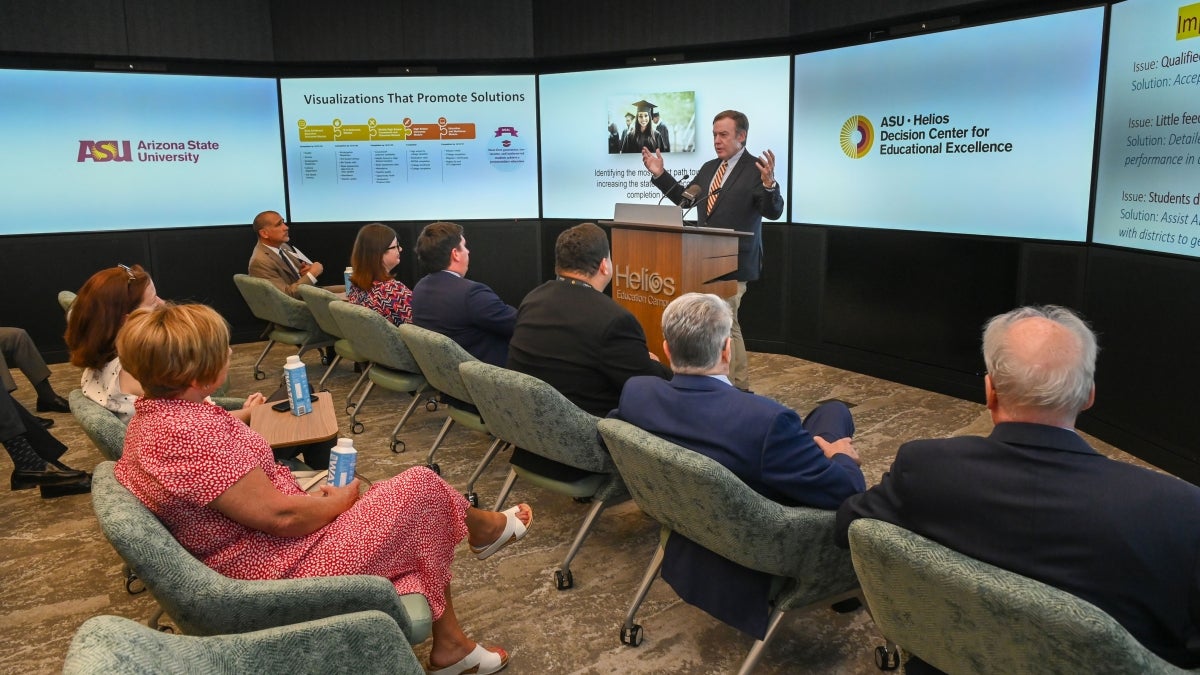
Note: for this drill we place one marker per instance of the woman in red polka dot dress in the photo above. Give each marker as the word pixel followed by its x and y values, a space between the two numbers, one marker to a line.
pixel 214 483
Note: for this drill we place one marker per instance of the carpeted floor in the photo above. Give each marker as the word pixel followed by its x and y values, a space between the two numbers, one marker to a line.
pixel 58 569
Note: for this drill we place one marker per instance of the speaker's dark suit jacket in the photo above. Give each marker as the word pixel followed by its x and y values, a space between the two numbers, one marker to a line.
pixel 761 442
pixel 1037 500
pixel 741 205
pixel 468 312
pixel 581 342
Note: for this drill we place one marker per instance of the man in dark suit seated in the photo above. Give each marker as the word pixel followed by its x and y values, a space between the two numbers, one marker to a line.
pixel 1036 499
pixel 446 302
pixel 575 338
pixel 809 463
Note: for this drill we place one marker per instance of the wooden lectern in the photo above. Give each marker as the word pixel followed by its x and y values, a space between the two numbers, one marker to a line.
pixel 656 259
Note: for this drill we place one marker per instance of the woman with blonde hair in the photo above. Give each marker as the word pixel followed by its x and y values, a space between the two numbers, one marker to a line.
pixel 214 483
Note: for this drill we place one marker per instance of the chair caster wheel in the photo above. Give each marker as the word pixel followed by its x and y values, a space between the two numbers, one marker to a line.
pixel 434 468
pixel 887 660
pixel 260 375
pixel 357 428
pixel 398 444
pixel 165 629
pixel 563 580
pixel 582 500
pixel 431 405
pixel 350 409
pixel 631 636
pixel 130 580
pixel 473 498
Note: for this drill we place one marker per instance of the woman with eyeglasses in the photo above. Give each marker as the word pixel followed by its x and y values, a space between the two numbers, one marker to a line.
pixel 215 484
pixel 376 253
pixel 99 311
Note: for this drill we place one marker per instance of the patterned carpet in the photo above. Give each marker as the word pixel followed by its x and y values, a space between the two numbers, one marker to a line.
pixel 59 570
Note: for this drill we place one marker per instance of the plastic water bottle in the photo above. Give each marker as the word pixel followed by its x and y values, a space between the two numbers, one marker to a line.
pixel 295 376
pixel 346 274
pixel 342 460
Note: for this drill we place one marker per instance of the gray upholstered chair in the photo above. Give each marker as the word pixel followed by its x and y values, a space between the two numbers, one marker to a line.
pixel 439 358
pixel 203 602
pixel 65 300
pixel 375 339
pixel 530 414
pixel 363 642
pixel 966 616
pixel 105 429
pixel 695 496
pixel 102 427
pixel 318 300
pixel 292 322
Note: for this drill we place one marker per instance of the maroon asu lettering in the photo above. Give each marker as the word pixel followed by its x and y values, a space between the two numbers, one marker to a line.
pixel 105 151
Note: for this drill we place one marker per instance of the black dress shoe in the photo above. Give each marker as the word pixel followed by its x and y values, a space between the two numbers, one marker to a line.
pixel 46 422
pixel 53 474
pixel 54 403
pixel 79 487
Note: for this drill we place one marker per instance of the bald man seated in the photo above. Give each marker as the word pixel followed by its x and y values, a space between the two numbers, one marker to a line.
pixel 1034 498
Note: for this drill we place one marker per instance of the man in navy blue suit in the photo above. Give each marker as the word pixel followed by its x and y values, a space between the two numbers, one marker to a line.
pixel 1036 499
pixel 809 463
pixel 446 302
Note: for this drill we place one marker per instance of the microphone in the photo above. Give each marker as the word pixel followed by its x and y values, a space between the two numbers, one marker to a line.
pixel 676 186
pixel 695 194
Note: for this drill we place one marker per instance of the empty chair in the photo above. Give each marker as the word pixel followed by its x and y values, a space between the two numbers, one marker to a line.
pixel 375 339
pixel 528 413
pixel 318 300
pixel 689 493
pixel 204 602
pixel 362 642
pixel 292 322
pixel 961 615
pixel 439 358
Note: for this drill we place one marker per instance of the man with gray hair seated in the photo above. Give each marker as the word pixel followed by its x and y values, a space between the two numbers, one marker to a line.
pixel 1034 498
pixel 810 463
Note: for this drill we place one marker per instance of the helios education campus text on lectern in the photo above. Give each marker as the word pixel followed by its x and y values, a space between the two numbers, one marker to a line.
pixel 657 259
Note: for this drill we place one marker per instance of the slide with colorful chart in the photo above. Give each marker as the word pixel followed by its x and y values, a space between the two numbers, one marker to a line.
pixel 411 148
pixel 87 151
pixel 986 130
pixel 595 124
pixel 1148 185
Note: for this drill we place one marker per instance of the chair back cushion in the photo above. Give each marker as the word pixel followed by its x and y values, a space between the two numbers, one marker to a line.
pixel 204 602
pixel 66 299
pixel 530 414
pixel 317 299
pixel 438 357
pixel 699 498
pixel 963 615
pixel 373 337
pixel 101 425
pixel 363 642
pixel 270 304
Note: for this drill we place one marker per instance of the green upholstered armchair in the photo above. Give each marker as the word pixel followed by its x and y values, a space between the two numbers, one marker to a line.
pixel 376 340
pixel 439 357
pixel 961 615
pixel 530 414
pixel 700 499
pixel 105 429
pixel 292 322
pixel 318 300
pixel 65 300
pixel 204 602
pixel 363 642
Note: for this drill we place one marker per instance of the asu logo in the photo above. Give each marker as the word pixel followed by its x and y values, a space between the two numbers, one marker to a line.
pixel 858 135
pixel 105 151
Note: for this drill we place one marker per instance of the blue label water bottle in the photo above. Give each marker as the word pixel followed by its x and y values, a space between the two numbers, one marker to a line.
pixel 295 376
pixel 342 460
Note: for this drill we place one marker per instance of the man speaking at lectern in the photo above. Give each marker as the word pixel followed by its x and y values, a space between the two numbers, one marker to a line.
pixel 734 191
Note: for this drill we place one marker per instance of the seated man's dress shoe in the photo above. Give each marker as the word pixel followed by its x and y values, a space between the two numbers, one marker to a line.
pixel 54 403
pixel 46 422
pixel 79 487
pixel 54 474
